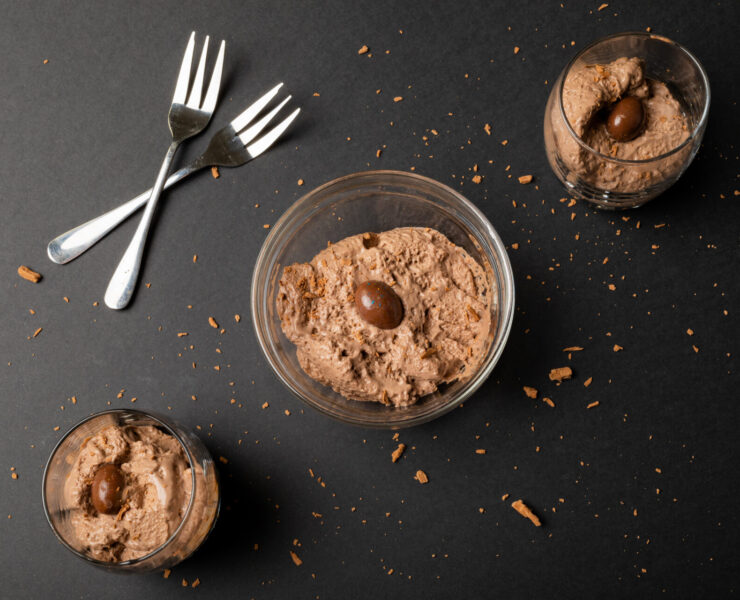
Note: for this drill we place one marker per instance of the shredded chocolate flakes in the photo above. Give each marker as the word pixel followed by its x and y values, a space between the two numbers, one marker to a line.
pixel 429 352
pixel 29 274
pixel 561 373
pixel 398 452
pixel 525 511
pixel 421 477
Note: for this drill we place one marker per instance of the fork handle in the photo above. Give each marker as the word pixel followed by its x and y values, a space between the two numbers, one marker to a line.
pixel 74 242
pixel 122 284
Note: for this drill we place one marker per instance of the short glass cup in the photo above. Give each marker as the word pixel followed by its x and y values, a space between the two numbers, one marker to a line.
pixel 665 61
pixel 200 515
pixel 377 201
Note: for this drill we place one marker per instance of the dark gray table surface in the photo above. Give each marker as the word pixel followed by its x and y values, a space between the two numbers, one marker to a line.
pixel 638 495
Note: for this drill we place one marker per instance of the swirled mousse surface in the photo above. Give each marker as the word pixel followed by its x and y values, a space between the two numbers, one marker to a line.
pixel 446 325
pixel 588 92
pixel 154 498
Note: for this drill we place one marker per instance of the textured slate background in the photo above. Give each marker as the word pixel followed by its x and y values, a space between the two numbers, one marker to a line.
pixel 87 130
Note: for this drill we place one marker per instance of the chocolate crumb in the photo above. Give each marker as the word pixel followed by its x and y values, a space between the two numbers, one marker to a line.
pixel 297 561
pixel 398 452
pixel 421 477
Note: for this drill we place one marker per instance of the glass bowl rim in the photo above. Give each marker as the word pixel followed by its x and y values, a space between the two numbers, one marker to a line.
pixel 122 565
pixel 496 247
pixel 694 132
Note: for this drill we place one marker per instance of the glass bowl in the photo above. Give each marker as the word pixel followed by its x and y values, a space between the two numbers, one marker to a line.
pixel 376 201
pixel 665 61
pixel 200 516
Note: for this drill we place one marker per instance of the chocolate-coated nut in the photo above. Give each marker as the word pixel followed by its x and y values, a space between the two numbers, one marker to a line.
pixel 625 119
pixel 378 304
pixel 107 487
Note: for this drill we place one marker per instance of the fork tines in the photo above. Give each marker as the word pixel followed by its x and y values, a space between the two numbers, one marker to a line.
pixel 250 133
pixel 183 79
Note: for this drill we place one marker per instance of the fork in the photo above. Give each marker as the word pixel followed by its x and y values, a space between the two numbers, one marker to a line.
pixel 227 148
pixel 187 117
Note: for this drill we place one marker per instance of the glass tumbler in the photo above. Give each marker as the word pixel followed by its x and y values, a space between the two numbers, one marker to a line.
pixel 665 61
pixel 200 515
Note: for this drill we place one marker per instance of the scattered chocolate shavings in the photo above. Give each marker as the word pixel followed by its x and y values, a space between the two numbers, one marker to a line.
pixel 398 99
pixel 530 391
pixel 480 451
pixel 196 583
pixel 212 322
pixel 561 373
pixel 487 129
pixel 300 182
pixel 477 179
pixel 166 573
pixel 215 173
pixel 223 459
pixel 182 334
pixel 588 382
pixel 525 511
pixel 504 497
pixel 297 561
pixel 237 318
pixel 398 452
pixel 689 331
pixel 363 50
pixel 617 348
pixel 35 333
pixel 421 477
pixel 516 49
pixel 549 402
pixel 592 404
pixel 524 179
pixel 184 582
pixel 602 6
pixel 29 274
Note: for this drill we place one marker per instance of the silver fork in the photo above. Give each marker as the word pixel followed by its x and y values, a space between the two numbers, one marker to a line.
pixel 227 148
pixel 187 117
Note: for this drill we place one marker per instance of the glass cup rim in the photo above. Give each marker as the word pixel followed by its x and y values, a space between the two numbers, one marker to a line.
pixel 162 421
pixel 695 130
pixel 496 247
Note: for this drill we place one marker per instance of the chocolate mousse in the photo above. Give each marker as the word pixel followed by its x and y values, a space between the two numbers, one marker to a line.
pixel 619 112
pixel 129 488
pixel 387 317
